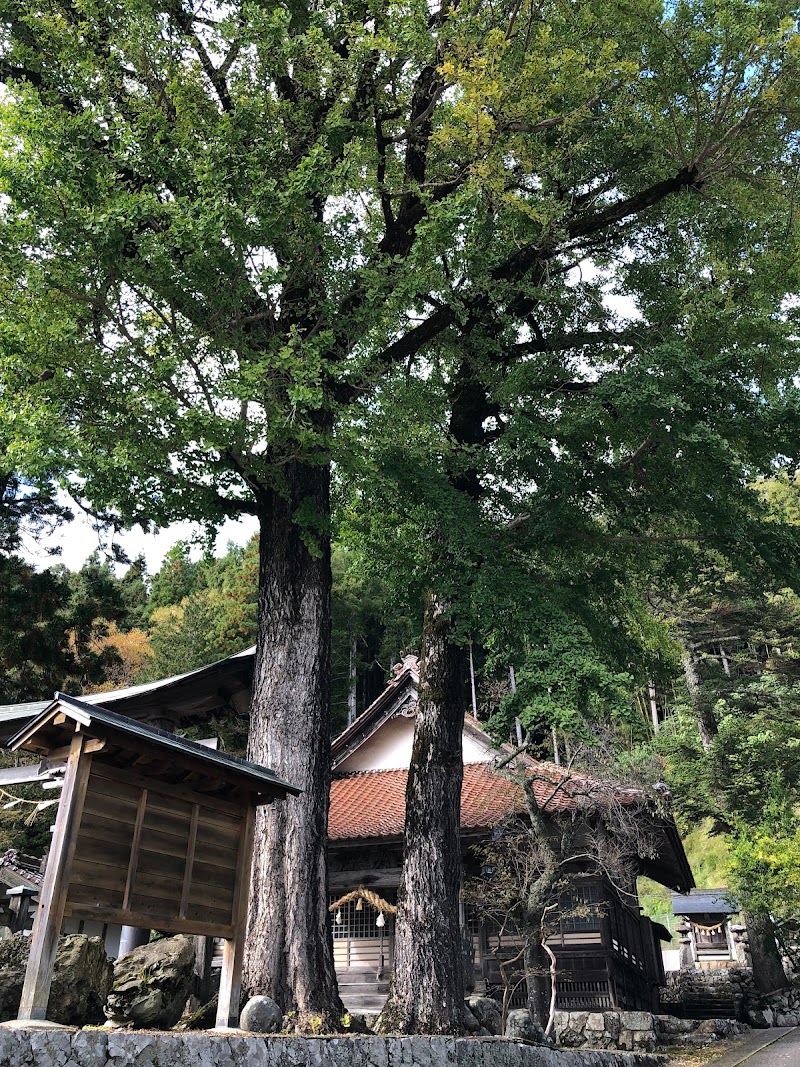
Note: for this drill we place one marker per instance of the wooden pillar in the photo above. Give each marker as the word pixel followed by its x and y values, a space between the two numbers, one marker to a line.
pixel 203 955
pixel 230 981
pixel 53 896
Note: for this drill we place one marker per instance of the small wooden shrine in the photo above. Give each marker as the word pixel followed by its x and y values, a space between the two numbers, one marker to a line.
pixel 153 831
pixel 708 940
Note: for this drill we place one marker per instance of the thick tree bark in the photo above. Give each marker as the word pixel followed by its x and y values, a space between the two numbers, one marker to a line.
pixel 768 972
pixel 428 991
pixel 289 952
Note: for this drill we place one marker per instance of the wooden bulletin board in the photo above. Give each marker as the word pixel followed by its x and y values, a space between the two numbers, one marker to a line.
pixel 154 857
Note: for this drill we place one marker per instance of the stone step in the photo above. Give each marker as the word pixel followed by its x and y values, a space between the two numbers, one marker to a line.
pixel 362 1005
pixel 373 987
pixel 703 1010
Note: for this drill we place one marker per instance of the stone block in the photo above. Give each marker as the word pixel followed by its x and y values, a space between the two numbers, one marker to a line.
pixel 88 1049
pixel 625 1040
pixel 637 1020
pixel 577 1019
pixel 245 1052
pixel 126 1048
pixel 643 1040
pixel 612 1024
pixel 48 1048
pixel 595 1021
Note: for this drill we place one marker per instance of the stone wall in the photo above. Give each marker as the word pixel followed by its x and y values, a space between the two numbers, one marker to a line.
pixel 778 1009
pixel 726 992
pixel 628 1030
pixel 98 1048
pixel 638 1030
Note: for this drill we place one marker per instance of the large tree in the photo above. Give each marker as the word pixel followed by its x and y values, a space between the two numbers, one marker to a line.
pixel 222 226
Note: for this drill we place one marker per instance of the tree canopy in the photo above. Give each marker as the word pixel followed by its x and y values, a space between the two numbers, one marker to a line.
pixel 530 263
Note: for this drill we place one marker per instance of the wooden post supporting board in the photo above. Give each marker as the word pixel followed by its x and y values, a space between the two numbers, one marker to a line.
pixel 230 982
pixel 47 926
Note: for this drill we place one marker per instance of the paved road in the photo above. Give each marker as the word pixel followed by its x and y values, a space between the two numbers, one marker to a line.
pixel 783 1052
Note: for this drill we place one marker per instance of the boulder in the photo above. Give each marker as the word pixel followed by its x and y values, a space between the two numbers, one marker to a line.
pixel 152 984
pixel 760 1018
pixel 471 1024
pixel 671 1026
pixel 487 1011
pixel 81 979
pixel 521 1027
pixel 261 1015
pixel 719 1028
pixel 786 1020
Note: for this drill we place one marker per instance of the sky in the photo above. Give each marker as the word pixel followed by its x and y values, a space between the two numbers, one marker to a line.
pixel 77 540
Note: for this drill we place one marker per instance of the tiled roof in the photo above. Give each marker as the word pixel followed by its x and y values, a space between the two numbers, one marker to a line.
pixel 28 868
pixel 373 803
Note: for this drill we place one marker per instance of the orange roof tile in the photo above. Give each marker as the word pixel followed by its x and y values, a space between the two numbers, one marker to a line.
pixel 373 803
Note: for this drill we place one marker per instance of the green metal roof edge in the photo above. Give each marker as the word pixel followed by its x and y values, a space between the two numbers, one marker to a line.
pixel 31 708
pixel 705 901
pixel 12 712
pixel 151 733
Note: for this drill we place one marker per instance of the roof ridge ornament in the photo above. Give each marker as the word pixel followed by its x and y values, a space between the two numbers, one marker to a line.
pixel 408 662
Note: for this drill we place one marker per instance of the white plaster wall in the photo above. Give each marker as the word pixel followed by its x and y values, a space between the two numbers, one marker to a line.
pixel 473 751
pixel 672 959
pixel 389 748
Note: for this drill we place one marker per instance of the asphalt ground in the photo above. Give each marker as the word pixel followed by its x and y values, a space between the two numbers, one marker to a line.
pixel 778 1047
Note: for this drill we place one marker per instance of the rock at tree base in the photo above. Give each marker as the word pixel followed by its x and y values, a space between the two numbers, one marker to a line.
pixel 521 1027
pixel 81 979
pixel 152 984
pixel 471 1024
pixel 261 1015
pixel 487 1011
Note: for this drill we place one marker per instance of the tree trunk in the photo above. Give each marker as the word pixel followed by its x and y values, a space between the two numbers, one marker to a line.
pixel 537 979
pixel 289 951
pixel 352 683
pixel 428 991
pixel 703 711
pixel 768 972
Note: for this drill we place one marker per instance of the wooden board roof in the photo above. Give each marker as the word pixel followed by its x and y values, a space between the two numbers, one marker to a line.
pixel 165 755
pixel 187 698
